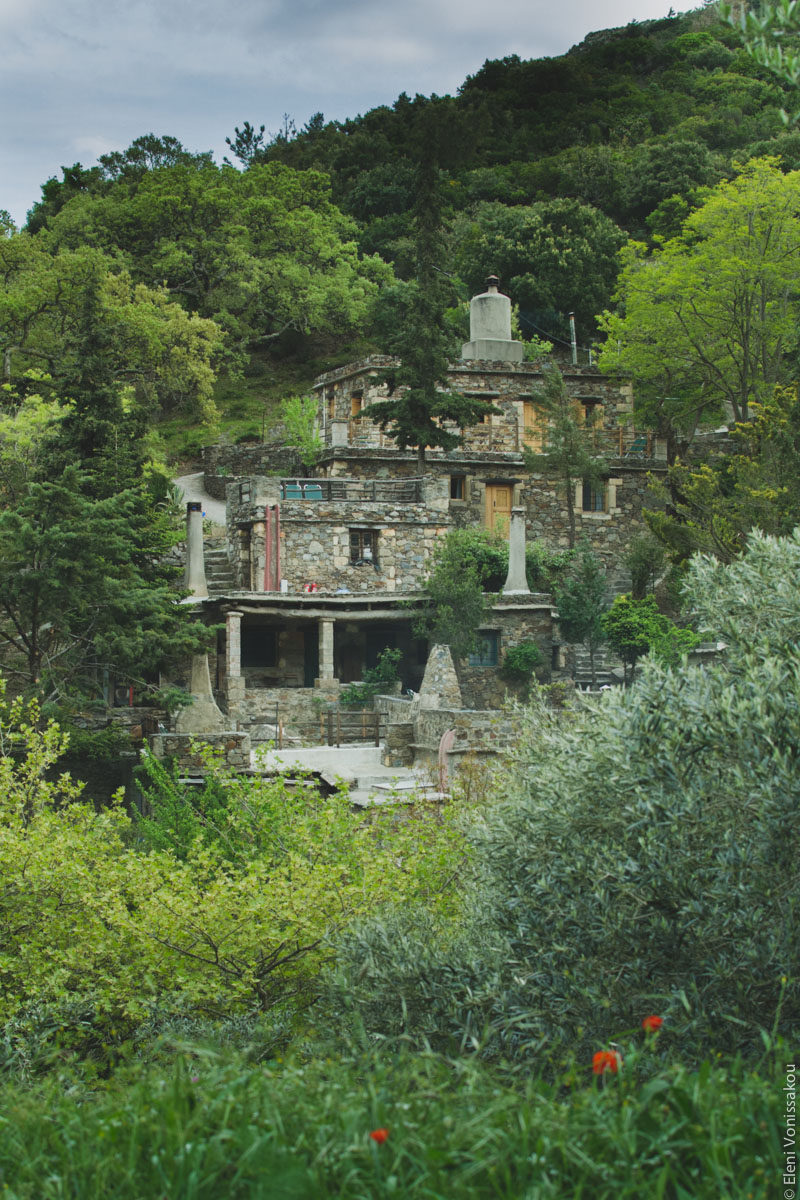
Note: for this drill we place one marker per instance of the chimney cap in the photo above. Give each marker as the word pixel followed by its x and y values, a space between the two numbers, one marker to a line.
pixel 493 281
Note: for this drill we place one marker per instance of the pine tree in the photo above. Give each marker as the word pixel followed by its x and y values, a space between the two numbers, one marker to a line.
pixel 425 341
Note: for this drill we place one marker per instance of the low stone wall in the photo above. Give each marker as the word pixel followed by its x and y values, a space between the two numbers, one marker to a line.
pixel 298 711
pixel 235 748
pixel 251 458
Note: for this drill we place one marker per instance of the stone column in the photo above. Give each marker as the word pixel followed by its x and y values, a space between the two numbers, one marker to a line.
pixel 516 581
pixel 233 657
pixel 326 675
pixel 195 564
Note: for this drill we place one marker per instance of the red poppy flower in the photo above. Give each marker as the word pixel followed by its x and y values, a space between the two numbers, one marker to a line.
pixel 379 1135
pixel 651 1024
pixel 606 1060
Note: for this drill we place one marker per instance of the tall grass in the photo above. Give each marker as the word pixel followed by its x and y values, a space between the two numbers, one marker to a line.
pixel 210 1130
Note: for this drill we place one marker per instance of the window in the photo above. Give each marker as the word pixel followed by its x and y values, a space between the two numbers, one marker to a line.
pixel 259 647
pixel 457 487
pixel 594 497
pixel 330 401
pixel 363 547
pixel 356 403
pixel 486 653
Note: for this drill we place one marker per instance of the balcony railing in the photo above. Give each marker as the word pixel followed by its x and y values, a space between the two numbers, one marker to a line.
pixel 371 491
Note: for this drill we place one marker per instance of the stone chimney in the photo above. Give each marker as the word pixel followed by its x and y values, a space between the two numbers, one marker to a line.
pixel 195 563
pixel 490 327
pixel 516 583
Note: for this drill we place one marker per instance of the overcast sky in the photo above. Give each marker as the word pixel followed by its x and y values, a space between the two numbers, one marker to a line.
pixel 81 77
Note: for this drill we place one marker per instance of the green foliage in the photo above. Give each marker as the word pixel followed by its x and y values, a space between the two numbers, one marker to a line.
pixel 216 903
pixel 582 602
pixel 642 859
pixel 519 663
pixel 299 417
pixel 202 1125
pixel 567 453
pixel 425 412
pixel 552 258
pixel 262 252
pixel 646 560
pixel 376 679
pixel 754 485
pixel 81 590
pixel 764 30
pixel 706 320
pixel 455 606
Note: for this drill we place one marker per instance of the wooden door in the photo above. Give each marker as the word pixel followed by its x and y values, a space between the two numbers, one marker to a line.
pixel 534 425
pixel 498 507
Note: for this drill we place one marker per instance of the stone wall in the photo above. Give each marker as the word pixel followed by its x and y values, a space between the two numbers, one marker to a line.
pixel 515 621
pixel 234 747
pixel 298 711
pixel 315 538
pixel 250 458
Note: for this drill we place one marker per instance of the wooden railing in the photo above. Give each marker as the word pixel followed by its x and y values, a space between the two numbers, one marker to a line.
pixel 339 725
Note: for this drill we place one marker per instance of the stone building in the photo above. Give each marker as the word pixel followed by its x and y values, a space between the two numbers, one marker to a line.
pixel 321 574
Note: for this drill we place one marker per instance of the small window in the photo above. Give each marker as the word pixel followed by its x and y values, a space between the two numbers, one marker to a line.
pixel 594 497
pixel 364 547
pixel 486 653
pixel 356 403
pixel 330 401
pixel 457 487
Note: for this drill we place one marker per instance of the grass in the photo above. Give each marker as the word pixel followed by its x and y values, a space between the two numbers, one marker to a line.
pixel 248 405
pixel 212 1127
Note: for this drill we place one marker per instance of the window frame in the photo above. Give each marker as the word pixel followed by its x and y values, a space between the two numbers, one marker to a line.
pixel 359 538
pixel 488 652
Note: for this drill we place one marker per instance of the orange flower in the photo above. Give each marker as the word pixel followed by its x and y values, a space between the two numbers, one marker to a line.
pixel 379 1135
pixel 606 1060
pixel 651 1024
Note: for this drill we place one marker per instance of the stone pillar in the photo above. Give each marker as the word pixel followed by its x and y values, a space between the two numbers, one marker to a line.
pixel 326 675
pixel 516 581
pixel 233 645
pixel 195 564
pixel 234 683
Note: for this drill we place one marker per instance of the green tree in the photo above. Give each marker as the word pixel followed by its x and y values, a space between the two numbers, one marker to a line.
pixel 455 605
pixel 299 417
pixel 154 353
pixel 754 485
pixel 262 252
pixel 582 602
pixel 634 628
pixel 83 589
pixel 553 257
pixel 707 320
pixel 567 453
pixel 422 406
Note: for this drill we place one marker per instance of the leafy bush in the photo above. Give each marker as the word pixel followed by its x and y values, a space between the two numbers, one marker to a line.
pixel 644 858
pixel 520 661
pixel 376 679
pixel 218 903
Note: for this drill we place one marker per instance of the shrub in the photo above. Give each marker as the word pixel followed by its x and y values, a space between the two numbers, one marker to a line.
pixel 519 663
pixel 643 859
pixel 376 679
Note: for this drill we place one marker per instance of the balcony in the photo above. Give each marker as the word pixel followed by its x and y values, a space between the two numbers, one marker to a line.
pixel 359 491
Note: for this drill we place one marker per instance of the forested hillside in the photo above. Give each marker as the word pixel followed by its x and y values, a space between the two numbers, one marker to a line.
pixel 551 166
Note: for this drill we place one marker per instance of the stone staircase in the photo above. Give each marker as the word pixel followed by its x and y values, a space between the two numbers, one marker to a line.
pixel 604 664
pixel 219 573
